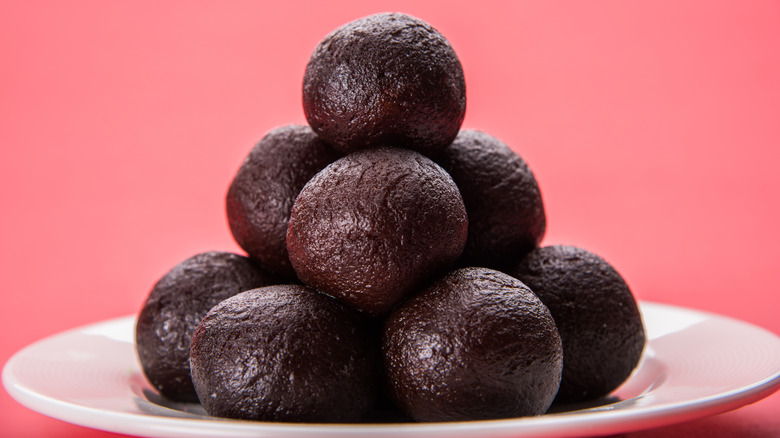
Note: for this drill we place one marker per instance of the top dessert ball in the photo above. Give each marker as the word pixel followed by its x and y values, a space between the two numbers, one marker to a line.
pixel 386 79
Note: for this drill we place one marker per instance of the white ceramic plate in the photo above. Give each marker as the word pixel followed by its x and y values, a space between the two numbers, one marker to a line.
pixel 696 364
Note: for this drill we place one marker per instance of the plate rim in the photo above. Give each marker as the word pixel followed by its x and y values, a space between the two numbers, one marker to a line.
pixel 566 423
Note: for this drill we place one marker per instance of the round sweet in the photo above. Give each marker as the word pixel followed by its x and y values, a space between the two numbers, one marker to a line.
pixel 175 306
pixel 374 225
pixel 285 353
pixel 262 193
pixel 385 79
pixel 502 198
pixel 476 344
pixel 596 313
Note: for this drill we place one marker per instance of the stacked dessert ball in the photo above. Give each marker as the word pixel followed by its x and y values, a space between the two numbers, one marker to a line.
pixel 392 258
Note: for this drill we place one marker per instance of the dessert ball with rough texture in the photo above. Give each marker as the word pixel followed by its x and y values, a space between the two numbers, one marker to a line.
pixel 262 193
pixel 285 353
pixel 596 313
pixel 175 306
pixel 502 198
pixel 374 225
pixel 476 344
pixel 386 79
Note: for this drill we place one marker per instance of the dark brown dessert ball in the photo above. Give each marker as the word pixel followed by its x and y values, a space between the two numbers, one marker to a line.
pixel 502 197
pixel 596 313
pixel 476 344
pixel 175 306
pixel 386 79
pixel 262 193
pixel 372 226
pixel 285 353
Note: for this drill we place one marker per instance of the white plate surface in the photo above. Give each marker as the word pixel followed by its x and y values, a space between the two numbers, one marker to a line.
pixel 696 364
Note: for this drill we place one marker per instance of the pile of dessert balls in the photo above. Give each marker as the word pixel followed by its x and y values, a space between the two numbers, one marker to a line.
pixel 393 263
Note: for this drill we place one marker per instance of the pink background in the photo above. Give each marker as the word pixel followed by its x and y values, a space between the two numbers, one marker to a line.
pixel 653 129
